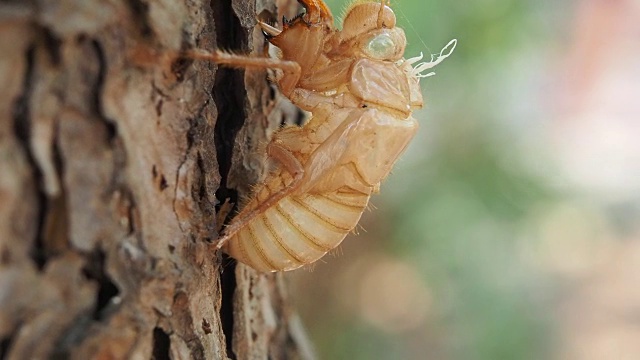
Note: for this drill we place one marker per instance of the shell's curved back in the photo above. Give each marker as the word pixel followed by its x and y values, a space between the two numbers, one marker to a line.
pixel 298 230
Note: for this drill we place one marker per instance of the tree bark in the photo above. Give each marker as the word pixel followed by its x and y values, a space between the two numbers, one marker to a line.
pixel 116 155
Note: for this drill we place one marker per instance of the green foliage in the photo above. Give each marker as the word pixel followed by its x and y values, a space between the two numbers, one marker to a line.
pixel 460 202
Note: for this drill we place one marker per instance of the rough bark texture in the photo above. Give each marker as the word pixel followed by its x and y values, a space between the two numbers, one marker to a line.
pixel 115 155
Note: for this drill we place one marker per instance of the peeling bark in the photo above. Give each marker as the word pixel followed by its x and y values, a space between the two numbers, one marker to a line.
pixel 115 156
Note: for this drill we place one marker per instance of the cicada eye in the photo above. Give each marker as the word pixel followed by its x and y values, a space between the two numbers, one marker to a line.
pixel 381 46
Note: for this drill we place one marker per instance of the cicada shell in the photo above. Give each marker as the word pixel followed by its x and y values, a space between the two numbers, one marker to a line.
pixel 361 92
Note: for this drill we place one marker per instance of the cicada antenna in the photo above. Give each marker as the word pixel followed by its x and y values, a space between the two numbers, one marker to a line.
pixel 383 3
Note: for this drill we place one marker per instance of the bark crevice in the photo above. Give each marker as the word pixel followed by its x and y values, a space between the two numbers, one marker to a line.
pixel 140 13
pixel 229 96
pixel 161 344
pixel 228 286
pixel 22 130
pixel 94 270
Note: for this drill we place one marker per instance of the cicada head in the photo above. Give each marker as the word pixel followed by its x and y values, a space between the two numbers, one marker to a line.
pixel 370 30
pixel 364 17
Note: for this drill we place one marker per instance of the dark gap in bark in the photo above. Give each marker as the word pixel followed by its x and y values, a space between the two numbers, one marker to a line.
pixel 94 270
pixel 21 115
pixel 52 44
pixel 22 129
pixel 140 12
pixel 228 288
pixel 6 342
pixel 193 132
pixel 163 183
pixel 229 96
pixel 55 213
pixel 55 230
pixel 161 345
pixel 159 107
pixel 112 130
pixel 272 91
pixel 159 178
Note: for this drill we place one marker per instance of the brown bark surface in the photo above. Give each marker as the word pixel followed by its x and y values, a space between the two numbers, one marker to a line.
pixel 115 156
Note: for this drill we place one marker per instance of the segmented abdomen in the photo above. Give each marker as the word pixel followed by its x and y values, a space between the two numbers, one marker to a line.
pixel 298 230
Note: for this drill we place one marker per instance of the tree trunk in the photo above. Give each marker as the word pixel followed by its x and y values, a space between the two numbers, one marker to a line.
pixel 116 155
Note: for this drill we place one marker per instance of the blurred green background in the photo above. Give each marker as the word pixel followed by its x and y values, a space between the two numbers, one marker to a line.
pixel 509 228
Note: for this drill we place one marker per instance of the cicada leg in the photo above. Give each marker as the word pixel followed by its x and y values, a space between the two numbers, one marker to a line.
pixel 291 69
pixel 293 166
